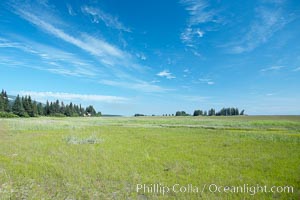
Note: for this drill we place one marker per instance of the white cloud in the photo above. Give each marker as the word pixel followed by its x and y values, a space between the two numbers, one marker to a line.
pixel 42 96
pixel 273 68
pixel 166 74
pixel 108 19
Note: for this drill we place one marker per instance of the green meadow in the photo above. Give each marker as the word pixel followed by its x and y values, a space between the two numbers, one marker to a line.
pixel 107 158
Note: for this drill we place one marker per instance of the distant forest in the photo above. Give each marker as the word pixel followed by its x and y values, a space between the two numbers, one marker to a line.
pixel 26 107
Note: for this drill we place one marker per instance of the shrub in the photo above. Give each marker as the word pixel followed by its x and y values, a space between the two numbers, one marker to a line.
pixel 7 115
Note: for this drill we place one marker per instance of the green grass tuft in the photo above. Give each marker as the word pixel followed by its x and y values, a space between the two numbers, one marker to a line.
pixel 88 140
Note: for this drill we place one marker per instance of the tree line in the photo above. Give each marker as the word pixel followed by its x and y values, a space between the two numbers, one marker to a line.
pixel 210 112
pixel 26 107
pixel 222 112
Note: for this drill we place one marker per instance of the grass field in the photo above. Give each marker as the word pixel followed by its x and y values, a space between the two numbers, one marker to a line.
pixel 105 158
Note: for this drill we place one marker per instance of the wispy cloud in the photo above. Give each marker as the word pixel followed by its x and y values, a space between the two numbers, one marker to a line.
pixel 10 61
pixel 42 96
pixel 296 69
pixel 54 60
pixel 207 81
pixel 57 69
pixel 108 54
pixel 67 64
pixel 109 20
pixel 116 64
pixel 273 68
pixel 166 74
pixel 141 56
pixel 268 20
pixel 190 34
pixel 186 71
pixel 141 86
pixel 5 43
pixel 155 81
pixel 194 98
pixel 70 10
pixel 200 13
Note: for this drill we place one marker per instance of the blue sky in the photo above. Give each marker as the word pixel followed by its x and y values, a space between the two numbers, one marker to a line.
pixel 154 57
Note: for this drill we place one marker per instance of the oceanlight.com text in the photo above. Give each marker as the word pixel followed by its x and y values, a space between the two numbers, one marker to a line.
pixel 250 189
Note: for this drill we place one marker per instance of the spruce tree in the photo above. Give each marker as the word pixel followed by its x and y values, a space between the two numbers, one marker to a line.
pixel 242 112
pixel 62 108
pixel 68 111
pixel 6 102
pixel 30 110
pixel 40 109
pixel 47 109
pixel 196 113
pixel 51 108
pixel 18 108
pixel 24 103
pixel 56 107
pixel 237 111
pixel 34 109
pixel 232 111
pixel 1 103
pixel 71 109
